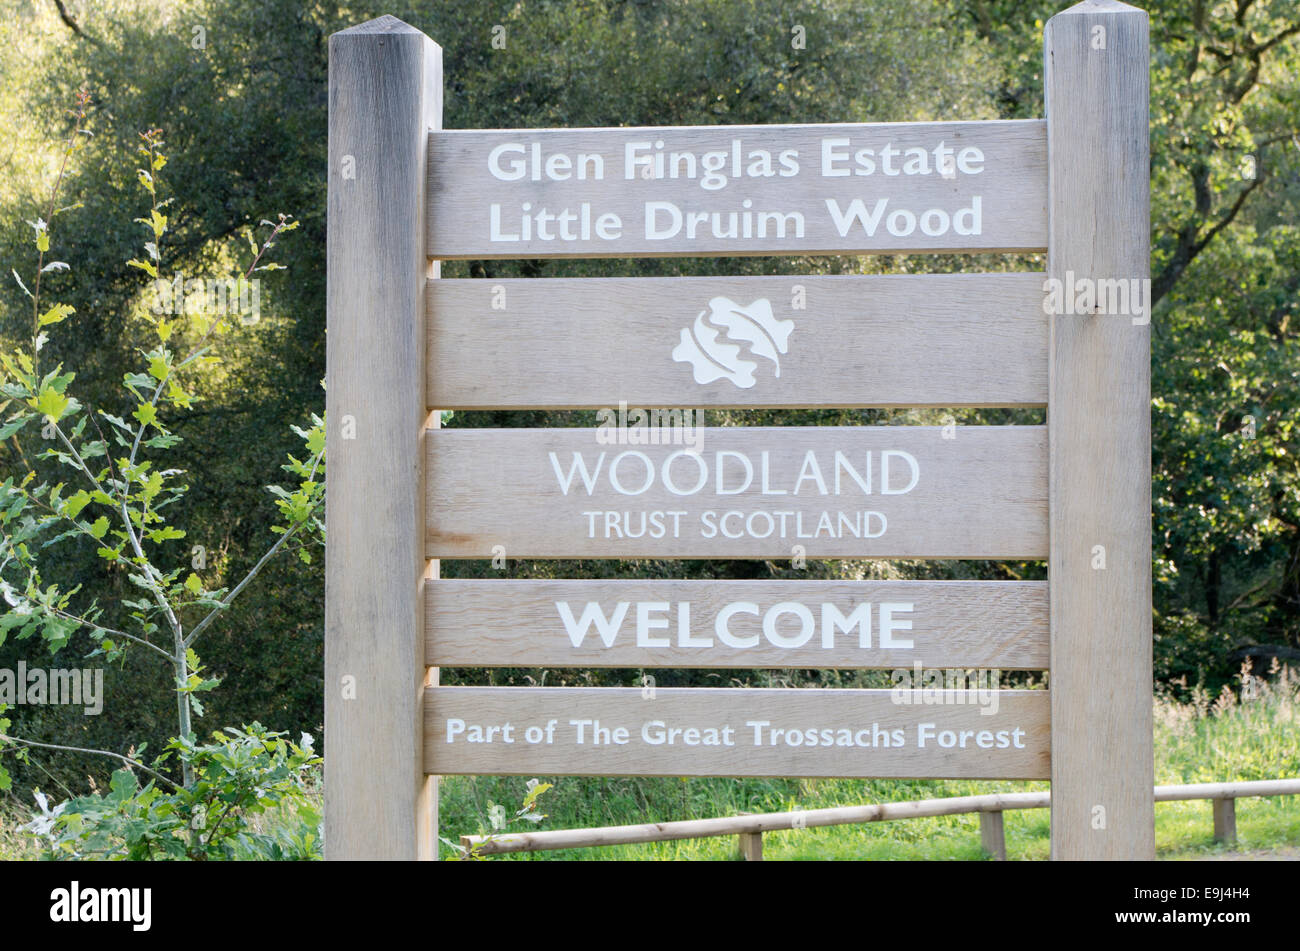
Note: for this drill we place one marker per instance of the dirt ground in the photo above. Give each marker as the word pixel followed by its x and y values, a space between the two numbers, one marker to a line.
pixel 1284 854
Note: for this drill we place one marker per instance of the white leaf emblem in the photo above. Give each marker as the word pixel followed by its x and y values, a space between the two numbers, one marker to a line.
pixel 714 358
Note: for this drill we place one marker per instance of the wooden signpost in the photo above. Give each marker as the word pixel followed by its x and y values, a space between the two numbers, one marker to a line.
pixel 402 494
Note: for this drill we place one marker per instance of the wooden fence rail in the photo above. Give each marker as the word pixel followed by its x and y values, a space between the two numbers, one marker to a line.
pixel 750 828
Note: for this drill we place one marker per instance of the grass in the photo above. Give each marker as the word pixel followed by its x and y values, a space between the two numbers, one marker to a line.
pixel 1251 734
pixel 15 845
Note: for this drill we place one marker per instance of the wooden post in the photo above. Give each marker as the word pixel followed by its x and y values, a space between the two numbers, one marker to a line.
pixel 992 836
pixel 1099 568
pixel 1225 820
pixel 751 846
pixel 385 95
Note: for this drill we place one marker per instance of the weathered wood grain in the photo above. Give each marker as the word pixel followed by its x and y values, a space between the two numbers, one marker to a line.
pixel 385 94
pixel 870 716
pixel 1000 199
pixel 878 340
pixel 980 494
pixel 1099 430
pixel 507 623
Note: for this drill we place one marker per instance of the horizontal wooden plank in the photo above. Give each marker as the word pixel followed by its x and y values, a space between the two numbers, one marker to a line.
pixel 737 190
pixel 731 624
pixel 861 340
pixel 740 492
pixel 994 734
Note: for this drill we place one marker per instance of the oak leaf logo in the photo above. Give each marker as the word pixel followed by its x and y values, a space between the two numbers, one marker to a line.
pixel 720 341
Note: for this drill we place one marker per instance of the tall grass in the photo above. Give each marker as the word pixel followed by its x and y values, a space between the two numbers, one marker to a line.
pixel 1250 733
pixel 15 843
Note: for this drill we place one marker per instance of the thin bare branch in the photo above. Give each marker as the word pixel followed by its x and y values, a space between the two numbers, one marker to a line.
pixel 80 749
pixel 234 592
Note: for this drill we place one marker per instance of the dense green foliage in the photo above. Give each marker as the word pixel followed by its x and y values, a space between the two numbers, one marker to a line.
pixel 239 777
pixel 243 106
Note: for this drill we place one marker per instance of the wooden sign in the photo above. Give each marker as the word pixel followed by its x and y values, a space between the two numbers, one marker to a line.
pixel 731 190
pixel 649 482
pixel 702 731
pixel 861 492
pixel 737 624
pixel 925 340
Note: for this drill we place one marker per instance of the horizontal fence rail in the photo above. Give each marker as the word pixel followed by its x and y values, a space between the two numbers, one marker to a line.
pixel 943 340
pixel 989 807
pixel 738 190
pixel 736 731
pixel 737 624
pixel 753 492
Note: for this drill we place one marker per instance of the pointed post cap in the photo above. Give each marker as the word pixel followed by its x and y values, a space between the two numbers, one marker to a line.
pixel 1094 7
pixel 379 25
